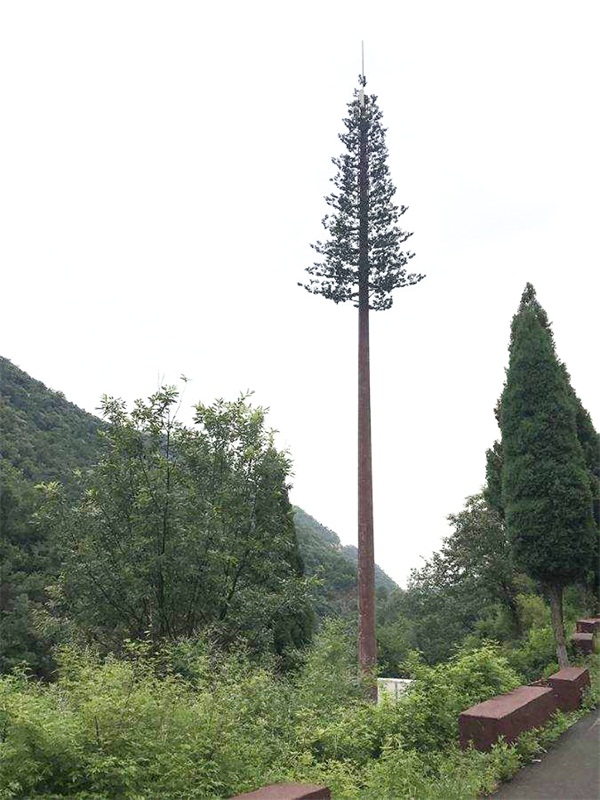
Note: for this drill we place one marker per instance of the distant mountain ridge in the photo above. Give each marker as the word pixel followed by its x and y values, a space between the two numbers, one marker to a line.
pixel 308 527
pixel 45 437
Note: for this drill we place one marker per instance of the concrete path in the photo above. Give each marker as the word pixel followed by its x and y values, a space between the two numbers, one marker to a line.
pixel 569 771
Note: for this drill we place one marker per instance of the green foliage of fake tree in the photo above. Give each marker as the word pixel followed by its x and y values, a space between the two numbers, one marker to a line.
pixel 336 274
pixel 361 261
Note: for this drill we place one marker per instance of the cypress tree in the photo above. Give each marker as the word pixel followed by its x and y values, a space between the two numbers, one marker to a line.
pixel 362 261
pixel 546 490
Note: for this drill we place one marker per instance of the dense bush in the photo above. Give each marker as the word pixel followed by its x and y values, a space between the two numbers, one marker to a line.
pixel 189 723
pixel 535 657
pixel 429 715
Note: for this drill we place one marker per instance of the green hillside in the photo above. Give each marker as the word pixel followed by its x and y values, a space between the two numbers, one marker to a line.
pixel 335 564
pixel 44 437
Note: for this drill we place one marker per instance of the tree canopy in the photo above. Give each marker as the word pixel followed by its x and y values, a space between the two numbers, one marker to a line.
pixel 182 529
pixel 545 485
pixel 546 488
pixel 471 577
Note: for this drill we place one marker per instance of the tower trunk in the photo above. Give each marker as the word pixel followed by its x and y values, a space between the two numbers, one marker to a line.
pixel 367 648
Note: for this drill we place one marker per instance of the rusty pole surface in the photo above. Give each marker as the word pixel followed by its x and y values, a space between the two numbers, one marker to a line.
pixel 367 648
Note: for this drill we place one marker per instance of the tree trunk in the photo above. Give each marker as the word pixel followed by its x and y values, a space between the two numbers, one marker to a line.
pixel 515 617
pixel 367 648
pixel 555 594
pixel 508 596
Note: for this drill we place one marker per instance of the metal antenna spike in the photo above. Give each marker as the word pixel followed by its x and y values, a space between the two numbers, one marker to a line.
pixel 362 50
pixel 362 81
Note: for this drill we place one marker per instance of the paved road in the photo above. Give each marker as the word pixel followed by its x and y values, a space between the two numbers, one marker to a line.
pixel 569 771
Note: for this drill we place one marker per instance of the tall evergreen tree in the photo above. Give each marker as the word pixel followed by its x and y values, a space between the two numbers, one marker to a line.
pixel 546 489
pixel 589 439
pixel 362 261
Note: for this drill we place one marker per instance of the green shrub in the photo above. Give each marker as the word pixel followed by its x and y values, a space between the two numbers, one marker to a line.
pixel 397 773
pixel 536 656
pixel 533 611
pixel 137 728
pixel 427 716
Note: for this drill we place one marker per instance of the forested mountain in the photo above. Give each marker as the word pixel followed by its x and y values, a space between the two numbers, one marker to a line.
pixel 43 437
pixel 335 564
pixel 46 438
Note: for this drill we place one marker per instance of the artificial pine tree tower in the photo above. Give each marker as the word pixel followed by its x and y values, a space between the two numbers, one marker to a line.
pixel 362 262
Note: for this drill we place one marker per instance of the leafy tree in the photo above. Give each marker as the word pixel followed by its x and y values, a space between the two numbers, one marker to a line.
pixel 362 262
pixel 479 548
pixel 493 473
pixel 546 488
pixel 442 611
pixel 589 440
pixel 395 632
pixel 588 437
pixel 470 586
pixel 184 529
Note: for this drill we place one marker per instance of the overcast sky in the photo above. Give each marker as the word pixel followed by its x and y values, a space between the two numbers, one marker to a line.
pixel 162 172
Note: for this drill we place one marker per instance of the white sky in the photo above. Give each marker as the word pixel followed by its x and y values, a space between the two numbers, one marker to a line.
pixel 162 169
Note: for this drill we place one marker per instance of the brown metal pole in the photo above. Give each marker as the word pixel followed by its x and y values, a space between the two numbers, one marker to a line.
pixel 367 648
